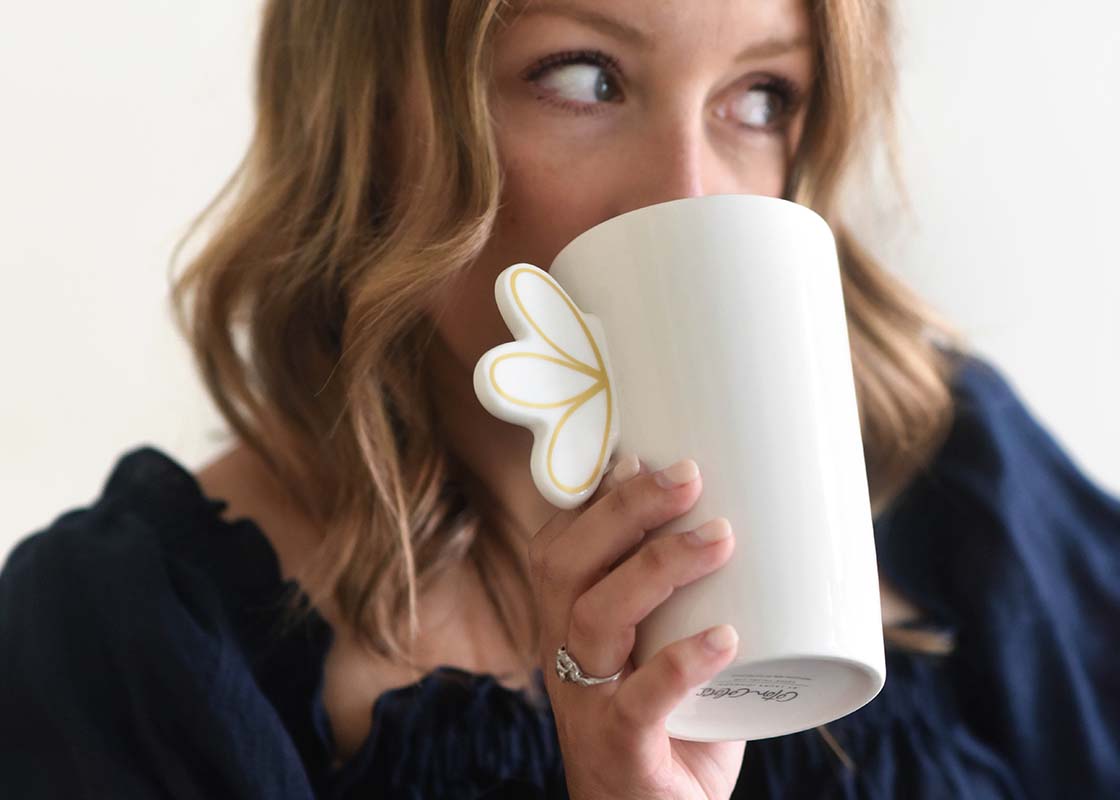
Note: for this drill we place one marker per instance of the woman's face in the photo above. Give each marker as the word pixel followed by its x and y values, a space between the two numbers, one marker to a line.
pixel 604 107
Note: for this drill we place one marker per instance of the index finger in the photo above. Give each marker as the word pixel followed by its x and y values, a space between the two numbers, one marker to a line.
pixel 621 470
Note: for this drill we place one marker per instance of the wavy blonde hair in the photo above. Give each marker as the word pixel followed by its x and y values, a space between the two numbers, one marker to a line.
pixel 372 179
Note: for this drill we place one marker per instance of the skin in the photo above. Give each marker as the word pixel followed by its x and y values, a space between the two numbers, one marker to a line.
pixel 577 145
pixel 681 104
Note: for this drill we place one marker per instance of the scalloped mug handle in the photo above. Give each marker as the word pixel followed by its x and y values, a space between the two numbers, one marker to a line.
pixel 555 379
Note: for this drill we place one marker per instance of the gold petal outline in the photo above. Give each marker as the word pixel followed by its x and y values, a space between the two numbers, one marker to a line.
pixel 600 374
pixel 602 446
pixel 598 384
pixel 551 284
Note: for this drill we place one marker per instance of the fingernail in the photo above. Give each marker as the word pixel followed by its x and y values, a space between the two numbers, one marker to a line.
pixel 626 468
pixel 711 531
pixel 720 638
pixel 677 475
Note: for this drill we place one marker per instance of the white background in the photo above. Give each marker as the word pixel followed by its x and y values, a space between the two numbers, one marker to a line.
pixel 121 119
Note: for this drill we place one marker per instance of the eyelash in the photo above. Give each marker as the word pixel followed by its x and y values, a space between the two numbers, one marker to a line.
pixel 786 90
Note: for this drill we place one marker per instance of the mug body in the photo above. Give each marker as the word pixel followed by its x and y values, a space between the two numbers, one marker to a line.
pixel 728 341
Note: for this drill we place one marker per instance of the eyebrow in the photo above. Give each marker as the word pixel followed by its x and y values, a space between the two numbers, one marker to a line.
pixel 772 46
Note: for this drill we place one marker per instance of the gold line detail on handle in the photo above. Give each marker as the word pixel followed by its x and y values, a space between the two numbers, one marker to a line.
pixel 564 360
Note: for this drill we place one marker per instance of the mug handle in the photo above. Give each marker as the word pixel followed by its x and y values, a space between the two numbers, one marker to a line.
pixel 555 379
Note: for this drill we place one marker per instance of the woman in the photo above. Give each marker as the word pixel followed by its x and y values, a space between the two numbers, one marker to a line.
pixel 364 595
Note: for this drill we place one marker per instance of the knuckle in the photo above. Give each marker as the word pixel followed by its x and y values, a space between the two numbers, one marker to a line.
pixel 582 622
pixel 623 715
pixel 657 556
pixel 676 670
pixel 621 503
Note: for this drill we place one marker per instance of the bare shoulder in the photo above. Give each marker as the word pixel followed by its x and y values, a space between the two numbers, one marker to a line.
pixel 241 478
pixel 458 628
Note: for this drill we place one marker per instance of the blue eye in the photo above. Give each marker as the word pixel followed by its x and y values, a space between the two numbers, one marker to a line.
pixel 585 81
pixel 578 79
pixel 767 105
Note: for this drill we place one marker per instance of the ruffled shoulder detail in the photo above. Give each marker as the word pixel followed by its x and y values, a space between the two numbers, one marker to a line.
pixel 456 733
pixel 453 733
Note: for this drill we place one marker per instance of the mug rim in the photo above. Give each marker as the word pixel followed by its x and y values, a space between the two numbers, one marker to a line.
pixel 724 197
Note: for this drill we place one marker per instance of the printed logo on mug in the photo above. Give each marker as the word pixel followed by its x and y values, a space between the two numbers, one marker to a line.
pixel 714 328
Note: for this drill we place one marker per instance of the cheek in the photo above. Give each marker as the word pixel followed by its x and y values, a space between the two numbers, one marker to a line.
pixel 546 202
pixel 466 317
pixel 540 212
pixel 755 164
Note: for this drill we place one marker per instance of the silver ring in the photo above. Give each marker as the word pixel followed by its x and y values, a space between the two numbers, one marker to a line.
pixel 569 671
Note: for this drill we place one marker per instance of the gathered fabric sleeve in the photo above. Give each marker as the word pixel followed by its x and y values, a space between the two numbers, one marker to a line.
pixel 1007 540
pixel 143 653
pixel 116 678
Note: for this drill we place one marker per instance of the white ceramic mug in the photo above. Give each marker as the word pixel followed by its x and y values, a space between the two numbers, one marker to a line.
pixel 714 328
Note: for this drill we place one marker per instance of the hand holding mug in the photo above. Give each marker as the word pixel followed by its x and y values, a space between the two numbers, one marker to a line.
pixel 595 577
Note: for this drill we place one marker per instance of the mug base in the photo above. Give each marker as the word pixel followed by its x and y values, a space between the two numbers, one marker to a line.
pixel 760 699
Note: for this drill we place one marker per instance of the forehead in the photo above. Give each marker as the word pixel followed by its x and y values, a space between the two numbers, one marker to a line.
pixel 646 23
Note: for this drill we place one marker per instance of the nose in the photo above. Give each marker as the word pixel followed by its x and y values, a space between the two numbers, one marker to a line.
pixel 672 161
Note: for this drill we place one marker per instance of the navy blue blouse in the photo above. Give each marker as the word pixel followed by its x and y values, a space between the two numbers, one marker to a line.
pixel 139 656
